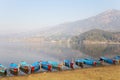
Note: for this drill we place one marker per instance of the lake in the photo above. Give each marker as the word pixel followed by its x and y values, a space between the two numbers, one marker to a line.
pixel 31 52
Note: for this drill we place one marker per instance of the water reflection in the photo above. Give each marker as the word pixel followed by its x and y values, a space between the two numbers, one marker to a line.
pixel 31 52
pixel 97 50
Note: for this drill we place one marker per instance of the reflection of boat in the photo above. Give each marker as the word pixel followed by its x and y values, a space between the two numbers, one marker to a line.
pixel 108 60
pixel 3 70
pixel 45 65
pixel 14 69
pixel 35 67
pixel 69 64
pixel 24 67
pixel 79 62
pixel 101 49
pixel 55 65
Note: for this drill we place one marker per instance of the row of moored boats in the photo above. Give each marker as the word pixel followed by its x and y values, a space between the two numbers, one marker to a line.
pixel 14 68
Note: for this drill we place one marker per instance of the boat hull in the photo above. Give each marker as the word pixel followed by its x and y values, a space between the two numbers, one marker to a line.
pixel 57 67
pixel 3 73
pixel 35 69
pixel 14 72
pixel 69 64
pixel 47 67
pixel 24 69
pixel 107 60
pixel 80 64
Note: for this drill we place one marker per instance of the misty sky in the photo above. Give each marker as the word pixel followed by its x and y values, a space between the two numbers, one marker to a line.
pixel 26 15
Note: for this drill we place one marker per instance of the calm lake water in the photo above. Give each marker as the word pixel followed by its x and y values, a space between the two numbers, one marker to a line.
pixel 31 52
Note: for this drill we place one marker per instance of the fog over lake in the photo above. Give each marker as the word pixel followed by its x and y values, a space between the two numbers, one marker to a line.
pixel 31 52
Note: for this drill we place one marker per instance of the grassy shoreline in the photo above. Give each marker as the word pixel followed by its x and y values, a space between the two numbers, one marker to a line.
pixel 96 73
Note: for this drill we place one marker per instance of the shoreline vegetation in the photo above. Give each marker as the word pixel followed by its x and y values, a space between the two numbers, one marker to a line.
pixel 39 40
pixel 111 72
pixel 99 42
pixel 97 36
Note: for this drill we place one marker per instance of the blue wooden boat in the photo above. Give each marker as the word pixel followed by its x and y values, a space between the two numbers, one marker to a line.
pixel 69 64
pixel 35 67
pixel 24 67
pixel 14 69
pixel 55 65
pixel 79 62
pixel 108 60
pixel 45 65
pixel 89 61
pixel 3 70
pixel 95 62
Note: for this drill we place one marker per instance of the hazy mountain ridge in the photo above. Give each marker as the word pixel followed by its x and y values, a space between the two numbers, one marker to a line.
pixel 108 20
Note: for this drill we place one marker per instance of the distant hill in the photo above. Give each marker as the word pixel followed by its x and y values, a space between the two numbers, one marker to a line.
pixel 108 20
pixel 96 35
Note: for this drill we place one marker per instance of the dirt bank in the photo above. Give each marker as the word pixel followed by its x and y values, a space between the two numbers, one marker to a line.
pixel 98 73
